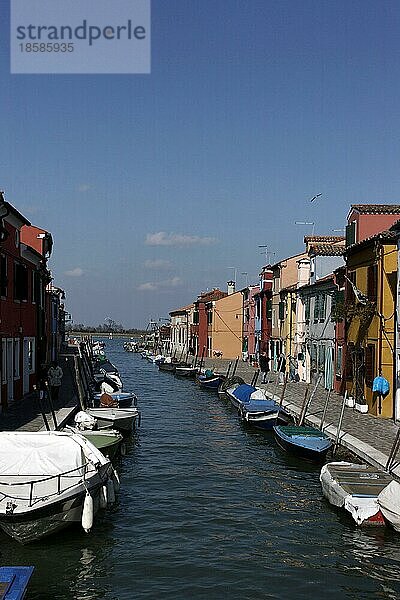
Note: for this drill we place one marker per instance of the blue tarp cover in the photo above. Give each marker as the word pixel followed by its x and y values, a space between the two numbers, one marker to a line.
pixel 243 392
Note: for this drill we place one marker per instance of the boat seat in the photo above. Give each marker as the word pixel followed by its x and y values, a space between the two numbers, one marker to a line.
pixel 5 586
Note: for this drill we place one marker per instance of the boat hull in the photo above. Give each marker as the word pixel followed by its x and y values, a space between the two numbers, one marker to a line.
pixel 298 450
pixel 45 521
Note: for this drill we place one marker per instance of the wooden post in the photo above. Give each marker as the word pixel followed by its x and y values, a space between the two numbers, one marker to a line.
pixel 284 389
pixel 235 367
pixel 328 395
pixel 255 377
pixel 340 423
pixel 202 359
pixel 40 398
pixel 303 406
pixel 394 450
pixel 50 399
pixel 228 370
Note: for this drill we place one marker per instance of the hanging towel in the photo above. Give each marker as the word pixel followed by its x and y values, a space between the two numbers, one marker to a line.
pixel 380 385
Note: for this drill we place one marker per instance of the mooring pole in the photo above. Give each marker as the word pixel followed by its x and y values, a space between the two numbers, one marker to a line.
pixel 340 423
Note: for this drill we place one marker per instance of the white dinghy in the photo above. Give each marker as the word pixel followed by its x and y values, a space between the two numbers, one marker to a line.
pixel 389 503
pixel 123 419
pixel 49 480
pixel 355 488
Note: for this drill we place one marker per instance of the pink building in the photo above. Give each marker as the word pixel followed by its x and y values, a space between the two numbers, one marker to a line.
pixel 249 321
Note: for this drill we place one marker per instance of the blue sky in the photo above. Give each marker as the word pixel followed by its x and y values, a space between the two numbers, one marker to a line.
pixel 154 185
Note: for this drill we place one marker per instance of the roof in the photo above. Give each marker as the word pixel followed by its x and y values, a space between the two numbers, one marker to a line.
pixel 183 309
pixel 327 249
pixel 321 281
pixel 386 235
pixel 279 263
pixel 376 209
pixel 324 238
pixel 10 209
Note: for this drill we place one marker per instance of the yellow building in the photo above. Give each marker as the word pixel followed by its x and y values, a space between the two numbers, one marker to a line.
pixel 227 326
pixel 372 270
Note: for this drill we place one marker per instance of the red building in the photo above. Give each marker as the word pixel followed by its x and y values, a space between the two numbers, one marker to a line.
pixel 366 220
pixel 263 316
pixel 23 280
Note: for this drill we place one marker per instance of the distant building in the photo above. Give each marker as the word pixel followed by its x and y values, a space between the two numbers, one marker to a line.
pixel 225 318
pixel 249 295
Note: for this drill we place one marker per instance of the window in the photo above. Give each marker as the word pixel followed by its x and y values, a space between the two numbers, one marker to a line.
pixel 16 358
pixel 349 362
pixel 316 307
pixel 369 364
pixel 269 309
pixel 322 307
pixel 281 311
pixel 3 361
pixel 196 317
pixel 20 282
pixel 209 317
pixel 339 359
pixel 350 298
pixel 307 307
pixel 3 276
pixel 31 355
pixel 321 358
pixel 372 282
pixel 350 233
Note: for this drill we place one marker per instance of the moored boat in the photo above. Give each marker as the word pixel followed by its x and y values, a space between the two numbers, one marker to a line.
pixel 355 488
pixel 108 441
pixel 124 399
pixel 254 408
pixel 210 380
pixel 389 503
pixel 186 371
pixel 49 480
pixel 304 442
pixel 123 419
pixel 14 582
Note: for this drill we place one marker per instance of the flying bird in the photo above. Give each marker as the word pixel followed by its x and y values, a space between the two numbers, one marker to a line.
pixel 315 197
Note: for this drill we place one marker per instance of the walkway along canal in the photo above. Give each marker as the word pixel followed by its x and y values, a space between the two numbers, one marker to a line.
pixel 209 510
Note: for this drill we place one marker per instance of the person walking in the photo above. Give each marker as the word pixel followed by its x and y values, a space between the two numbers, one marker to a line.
pixel 55 375
pixel 264 366
pixel 281 368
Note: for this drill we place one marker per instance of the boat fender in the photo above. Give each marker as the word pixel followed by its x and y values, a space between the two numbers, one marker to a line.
pixel 103 496
pixel 110 492
pixel 116 481
pixel 87 513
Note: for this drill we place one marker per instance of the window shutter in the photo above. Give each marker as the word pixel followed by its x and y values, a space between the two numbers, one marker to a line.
pixel 369 364
pixel 281 311
pixel 351 234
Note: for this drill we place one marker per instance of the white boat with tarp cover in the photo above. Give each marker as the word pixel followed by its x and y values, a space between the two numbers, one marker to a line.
pixel 355 488
pixel 49 480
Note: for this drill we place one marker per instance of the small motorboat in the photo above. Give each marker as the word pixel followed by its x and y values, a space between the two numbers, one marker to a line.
pixel 169 364
pixel 186 371
pixel 123 419
pixel 210 380
pixel 108 441
pixel 389 503
pixel 14 582
pixel 124 399
pixel 305 442
pixel 49 480
pixel 356 489
pixel 254 408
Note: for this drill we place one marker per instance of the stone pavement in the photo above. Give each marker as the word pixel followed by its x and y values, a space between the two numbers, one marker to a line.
pixel 25 414
pixel 370 438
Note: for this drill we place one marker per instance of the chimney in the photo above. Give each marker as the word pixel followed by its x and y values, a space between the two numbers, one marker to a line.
pixel 231 287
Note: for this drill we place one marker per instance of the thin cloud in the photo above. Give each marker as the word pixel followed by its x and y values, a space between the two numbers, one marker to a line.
pixel 77 272
pixel 151 286
pixel 161 238
pixel 147 287
pixel 83 187
pixel 157 263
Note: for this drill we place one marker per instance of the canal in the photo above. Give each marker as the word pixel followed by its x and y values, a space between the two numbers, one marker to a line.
pixel 209 510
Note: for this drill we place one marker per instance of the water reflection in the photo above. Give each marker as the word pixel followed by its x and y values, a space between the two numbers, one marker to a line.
pixel 210 509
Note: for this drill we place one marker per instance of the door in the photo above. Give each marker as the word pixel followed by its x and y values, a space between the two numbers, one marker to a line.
pixel 10 371
pixel 25 367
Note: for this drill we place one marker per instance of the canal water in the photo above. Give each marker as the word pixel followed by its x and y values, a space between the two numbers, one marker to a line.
pixel 209 510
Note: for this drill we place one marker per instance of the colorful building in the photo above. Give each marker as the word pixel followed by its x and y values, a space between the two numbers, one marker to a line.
pixel 370 310
pixel 249 322
pixel 226 325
